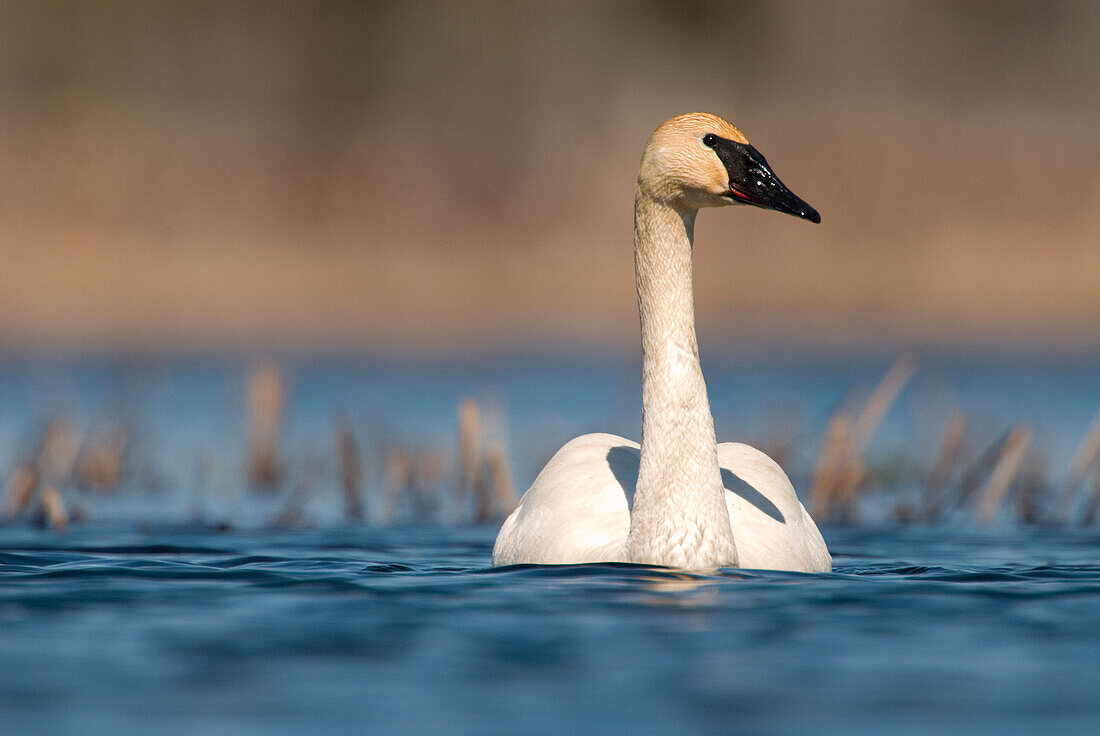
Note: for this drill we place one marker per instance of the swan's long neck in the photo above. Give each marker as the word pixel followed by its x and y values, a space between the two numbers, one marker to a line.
pixel 679 515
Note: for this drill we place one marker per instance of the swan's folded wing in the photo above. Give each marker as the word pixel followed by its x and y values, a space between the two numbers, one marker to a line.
pixel 577 510
pixel 771 528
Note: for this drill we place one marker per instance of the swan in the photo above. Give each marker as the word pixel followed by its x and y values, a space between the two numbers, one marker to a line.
pixel 678 499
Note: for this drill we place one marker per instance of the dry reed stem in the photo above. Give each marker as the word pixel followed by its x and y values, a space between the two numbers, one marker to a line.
pixel 205 467
pixel 483 496
pixel 469 446
pixel 972 479
pixel 496 495
pixel 266 396
pixel 293 514
pixel 840 472
pixel 880 401
pixel 398 479
pixel 429 467
pixel 827 468
pixel 1032 489
pixel 53 509
pixel 351 467
pixel 20 491
pixel 477 471
pixel 1093 503
pixel 102 460
pixel 504 487
pixel 1004 472
pixel 947 457
pixel 58 451
pixel 1084 458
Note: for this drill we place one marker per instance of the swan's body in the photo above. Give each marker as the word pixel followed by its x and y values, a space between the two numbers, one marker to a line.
pixel 578 509
pixel 679 499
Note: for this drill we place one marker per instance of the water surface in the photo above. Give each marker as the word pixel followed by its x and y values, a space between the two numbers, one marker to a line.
pixel 406 630
pixel 151 619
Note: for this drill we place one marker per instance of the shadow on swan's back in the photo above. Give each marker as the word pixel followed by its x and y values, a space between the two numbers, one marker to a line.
pixel 624 461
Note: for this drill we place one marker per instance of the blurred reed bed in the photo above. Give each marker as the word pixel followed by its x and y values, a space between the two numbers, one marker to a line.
pixel 965 470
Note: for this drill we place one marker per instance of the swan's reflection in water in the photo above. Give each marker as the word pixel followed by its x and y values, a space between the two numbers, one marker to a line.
pixel 683 589
pixel 679 589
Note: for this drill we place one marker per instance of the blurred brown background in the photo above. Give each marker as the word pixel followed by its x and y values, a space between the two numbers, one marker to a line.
pixel 429 177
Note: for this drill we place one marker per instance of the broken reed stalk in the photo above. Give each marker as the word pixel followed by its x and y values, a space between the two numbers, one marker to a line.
pixel 204 483
pixel 413 478
pixel 265 415
pixel 505 497
pixel 52 468
pixel 397 481
pixel 54 513
pixel 838 475
pixel 841 472
pixel 57 451
pixel 351 467
pixel 1084 458
pixel 1032 489
pixel 496 495
pixel 1003 474
pixel 1093 502
pixel 469 447
pixel 20 491
pixel 294 514
pixel 824 482
pixel 429 468
pixel 484 471
pixel 947 457
pixel 882 398
pixel 981 468
pixel 483 498
pixel 474 477
pixel 102 460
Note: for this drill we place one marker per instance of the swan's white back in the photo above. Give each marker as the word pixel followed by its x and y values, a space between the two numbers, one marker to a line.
pixel 678 499
pixel 772 529
pixel 578 509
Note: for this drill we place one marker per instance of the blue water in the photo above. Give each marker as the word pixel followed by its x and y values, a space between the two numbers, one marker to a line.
pixel 155 616
pixel 405 630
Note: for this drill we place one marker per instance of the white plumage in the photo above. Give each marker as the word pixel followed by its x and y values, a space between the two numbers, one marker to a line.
pixel 679 499
pixel 578 509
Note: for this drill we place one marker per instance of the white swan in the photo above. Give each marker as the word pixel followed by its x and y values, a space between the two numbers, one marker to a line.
pixel 679 499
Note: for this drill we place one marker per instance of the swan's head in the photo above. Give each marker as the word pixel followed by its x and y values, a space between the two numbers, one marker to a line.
pixel 699 160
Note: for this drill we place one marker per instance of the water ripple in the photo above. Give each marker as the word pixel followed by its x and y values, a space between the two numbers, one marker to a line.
pixel 412 631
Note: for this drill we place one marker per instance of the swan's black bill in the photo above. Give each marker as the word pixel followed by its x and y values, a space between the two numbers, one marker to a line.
pixel 752 180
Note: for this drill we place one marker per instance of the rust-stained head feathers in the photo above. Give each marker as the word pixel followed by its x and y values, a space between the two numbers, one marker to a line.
pixel 700 160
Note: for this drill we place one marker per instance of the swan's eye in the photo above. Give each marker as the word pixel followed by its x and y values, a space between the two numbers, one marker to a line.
pixel 710 140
